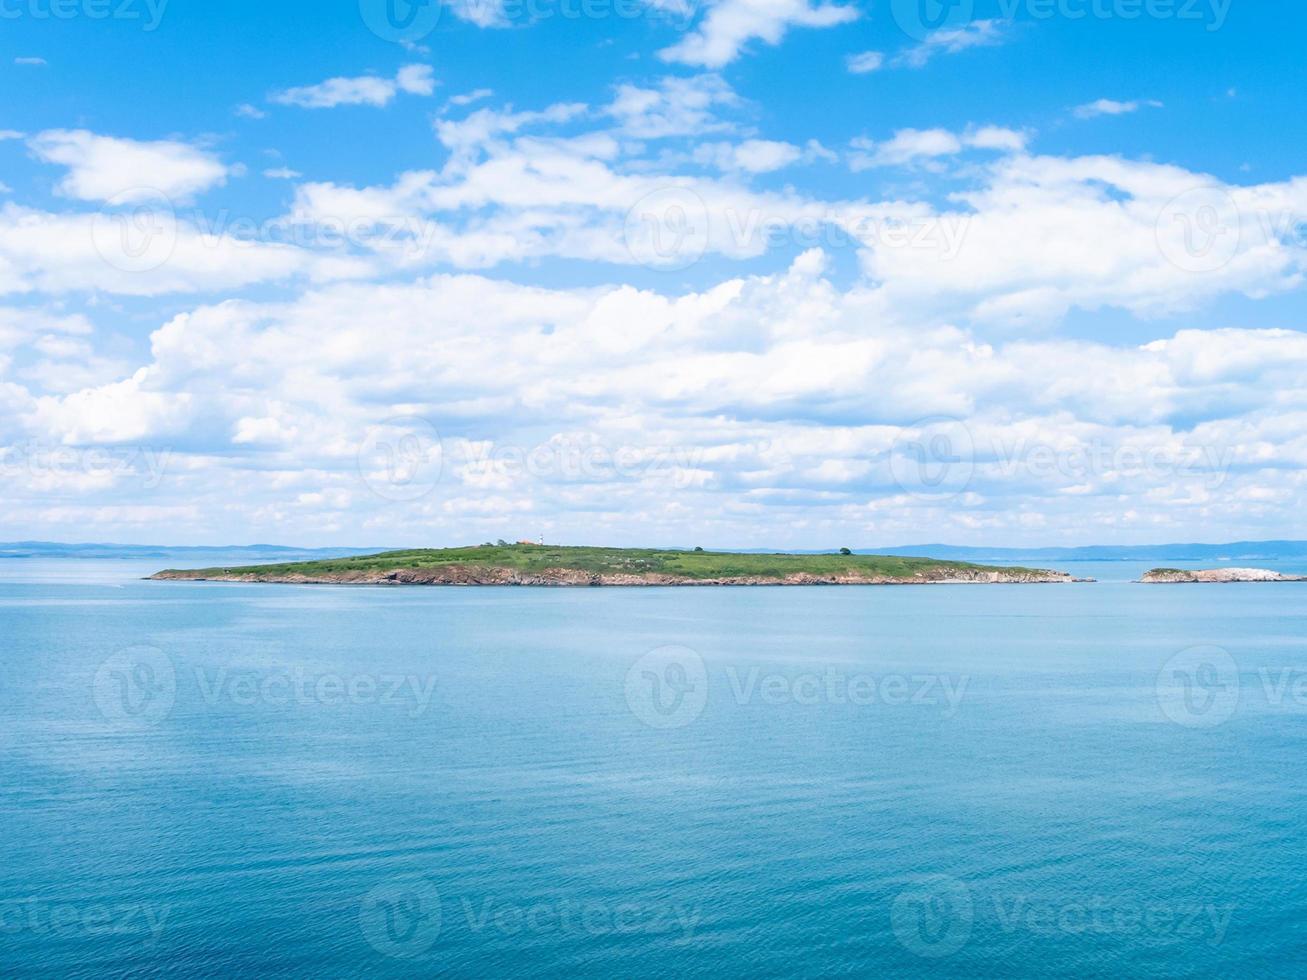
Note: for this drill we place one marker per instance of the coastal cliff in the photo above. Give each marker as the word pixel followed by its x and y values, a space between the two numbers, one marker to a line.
pixel 464 575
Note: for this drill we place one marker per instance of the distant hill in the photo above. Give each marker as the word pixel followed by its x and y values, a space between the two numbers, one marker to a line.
pixel 252 552
pixel 1236 551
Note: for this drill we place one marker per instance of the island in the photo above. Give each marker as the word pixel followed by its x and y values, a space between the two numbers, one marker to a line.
pixel 547 565
pixel 1170 576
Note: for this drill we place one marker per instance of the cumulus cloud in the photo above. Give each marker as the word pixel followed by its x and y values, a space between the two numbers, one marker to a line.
pixel 370 90
pixel 103 168
pixel 761 403
pixel 673 107
pixel 1110 107
pixel 865 62
pixel 730 25
pixel 147 251
pixel 752 156
pixel 909 146
pixel 467 98
pixel 953 40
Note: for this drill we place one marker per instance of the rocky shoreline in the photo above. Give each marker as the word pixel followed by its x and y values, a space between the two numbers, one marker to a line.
pixel 488 575
pixel 1173 576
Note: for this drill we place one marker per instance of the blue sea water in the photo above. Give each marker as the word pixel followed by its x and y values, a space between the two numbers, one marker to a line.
pixel 225 780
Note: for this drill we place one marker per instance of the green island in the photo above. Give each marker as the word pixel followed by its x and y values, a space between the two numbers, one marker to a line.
pixel 537 564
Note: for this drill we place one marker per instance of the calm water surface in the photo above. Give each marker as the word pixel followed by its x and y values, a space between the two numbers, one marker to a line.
pixel 1095 780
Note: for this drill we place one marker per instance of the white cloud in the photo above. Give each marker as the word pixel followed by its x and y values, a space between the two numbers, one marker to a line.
pixel 865 62
pixel 1020 241
pixel 11 134
pixel 282 173
pixel 996 138
pixel 952 40
pixel 749 156
pixel 480 128
pixel 416 80
pixel 60 253
pixel 247 111
pixel 33 62
pixel 467 98
pixel 370 90
pixel 730 25
pixel 103 168
pixel 675 107
pixel 761 406
pixel 1045 235
pixel 910 146
pixel 906 146
pixel 781 396
pixel 1110 107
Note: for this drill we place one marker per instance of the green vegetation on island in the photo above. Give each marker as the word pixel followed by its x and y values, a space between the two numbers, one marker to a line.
pixel 536 564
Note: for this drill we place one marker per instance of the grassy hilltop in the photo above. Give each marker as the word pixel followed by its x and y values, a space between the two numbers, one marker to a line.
pixel 530 564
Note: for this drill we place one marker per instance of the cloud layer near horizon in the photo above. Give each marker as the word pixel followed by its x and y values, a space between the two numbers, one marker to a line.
pixel 746 360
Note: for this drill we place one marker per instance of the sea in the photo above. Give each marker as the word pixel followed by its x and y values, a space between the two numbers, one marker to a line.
pixel 223 780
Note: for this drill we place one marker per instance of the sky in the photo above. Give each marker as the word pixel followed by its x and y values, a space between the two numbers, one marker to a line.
pixel 732 273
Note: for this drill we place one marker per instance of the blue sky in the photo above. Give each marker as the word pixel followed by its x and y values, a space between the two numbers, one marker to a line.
pixel 779 273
